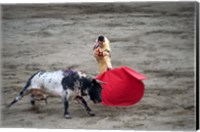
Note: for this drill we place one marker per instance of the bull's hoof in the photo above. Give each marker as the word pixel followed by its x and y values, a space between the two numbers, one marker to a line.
pixel 91 113
pixel 67 116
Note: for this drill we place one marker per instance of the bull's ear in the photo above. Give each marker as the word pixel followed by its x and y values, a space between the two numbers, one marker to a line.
pixel 93 81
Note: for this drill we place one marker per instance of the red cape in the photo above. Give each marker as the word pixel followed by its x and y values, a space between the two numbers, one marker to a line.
pixel 123 86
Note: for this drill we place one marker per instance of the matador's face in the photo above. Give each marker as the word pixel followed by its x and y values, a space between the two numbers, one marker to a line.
pixel 101 43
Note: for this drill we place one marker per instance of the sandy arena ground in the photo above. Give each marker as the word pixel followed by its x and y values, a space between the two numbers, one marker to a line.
pixel 155 39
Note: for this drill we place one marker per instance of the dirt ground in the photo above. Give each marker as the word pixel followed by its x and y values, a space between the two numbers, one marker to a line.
pixel 155 39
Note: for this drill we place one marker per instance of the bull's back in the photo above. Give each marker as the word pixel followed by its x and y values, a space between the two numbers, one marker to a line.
pixel 48 81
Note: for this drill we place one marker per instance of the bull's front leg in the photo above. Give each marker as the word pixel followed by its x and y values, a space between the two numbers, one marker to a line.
pixel 66 105
pixel 85 105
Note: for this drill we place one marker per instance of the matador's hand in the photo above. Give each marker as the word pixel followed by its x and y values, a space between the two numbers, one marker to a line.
pixel 99 52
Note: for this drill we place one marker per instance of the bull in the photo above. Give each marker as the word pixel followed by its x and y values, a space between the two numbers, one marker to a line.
pixel 66 84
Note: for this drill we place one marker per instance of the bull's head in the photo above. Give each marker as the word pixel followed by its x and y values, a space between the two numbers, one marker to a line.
pixel 95 91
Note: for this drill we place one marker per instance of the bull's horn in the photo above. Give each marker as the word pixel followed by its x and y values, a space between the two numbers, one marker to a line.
pixel 99 81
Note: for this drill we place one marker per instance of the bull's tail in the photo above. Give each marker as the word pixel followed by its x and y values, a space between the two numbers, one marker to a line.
pixel 22 93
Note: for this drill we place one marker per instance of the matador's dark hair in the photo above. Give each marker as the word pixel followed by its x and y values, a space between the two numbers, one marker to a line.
pixel 101 38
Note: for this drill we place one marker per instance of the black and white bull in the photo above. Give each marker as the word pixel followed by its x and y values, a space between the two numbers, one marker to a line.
pixel 64 83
